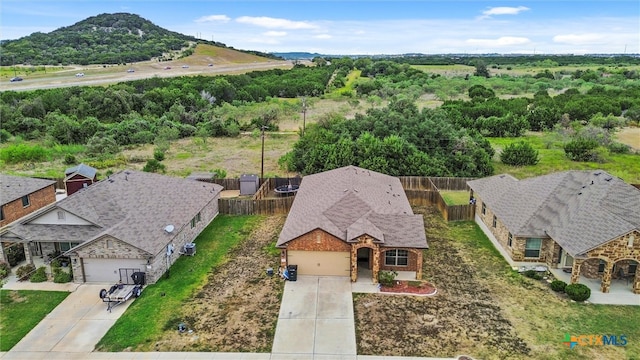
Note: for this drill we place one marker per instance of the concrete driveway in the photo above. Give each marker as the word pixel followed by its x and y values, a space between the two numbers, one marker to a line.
pixel 74 326
pixel 316 318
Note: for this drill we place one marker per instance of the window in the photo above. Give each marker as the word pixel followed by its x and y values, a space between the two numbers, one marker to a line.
pixel 2 213
pixel 60 215
pixel 495 221
pixel 66 246
pixel 630 240
pixel 396 257
pixel 484 208
pixel 510 240
pixel 633 267
pixel 198 218
pixel 25 201
pixel 193 223
pixel 601 265
pixel 532 248
pixel 109 244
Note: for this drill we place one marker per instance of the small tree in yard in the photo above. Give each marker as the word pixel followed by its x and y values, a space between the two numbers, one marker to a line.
pixel 519 154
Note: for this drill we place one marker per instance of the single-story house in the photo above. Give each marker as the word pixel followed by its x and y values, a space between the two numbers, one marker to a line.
pixel 587 222
pixel 351 218
pixel 79 177
pixel 130 222
pixel 20 196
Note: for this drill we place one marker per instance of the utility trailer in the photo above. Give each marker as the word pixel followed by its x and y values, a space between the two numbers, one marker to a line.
pixel 119 294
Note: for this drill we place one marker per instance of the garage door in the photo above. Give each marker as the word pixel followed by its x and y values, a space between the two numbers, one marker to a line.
pixel 108 270
pixel 332 263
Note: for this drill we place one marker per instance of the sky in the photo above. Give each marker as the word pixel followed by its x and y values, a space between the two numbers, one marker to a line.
pixel 361 27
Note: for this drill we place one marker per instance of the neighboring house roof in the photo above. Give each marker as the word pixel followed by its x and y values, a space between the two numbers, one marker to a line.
pixel 82 169
pixel 580 210
pixel 131 206
pixel 350 201
pixel 15 187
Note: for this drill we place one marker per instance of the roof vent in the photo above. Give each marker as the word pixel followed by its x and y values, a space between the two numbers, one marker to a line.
pixel 597 173
pixel 169 228
pixel 580 193
pixel 608 179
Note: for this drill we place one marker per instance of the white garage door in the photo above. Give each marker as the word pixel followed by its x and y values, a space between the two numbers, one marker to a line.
pixel 108 270
pixel 334 263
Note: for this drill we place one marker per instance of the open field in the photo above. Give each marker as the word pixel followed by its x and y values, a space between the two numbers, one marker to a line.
pixel 484 309
pixel 225 62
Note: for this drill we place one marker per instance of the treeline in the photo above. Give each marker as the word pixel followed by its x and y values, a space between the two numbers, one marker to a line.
pixel 135 112
pixel 515 60
pixel 396 140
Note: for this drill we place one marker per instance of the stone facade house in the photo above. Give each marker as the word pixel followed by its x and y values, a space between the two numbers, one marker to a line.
pixel 130 222
pixel 587 222
pixel 348 219
pixel 79 177
pixel 20 196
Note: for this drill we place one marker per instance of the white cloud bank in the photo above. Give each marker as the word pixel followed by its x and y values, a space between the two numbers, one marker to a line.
pixel 503 10
pixel 274 23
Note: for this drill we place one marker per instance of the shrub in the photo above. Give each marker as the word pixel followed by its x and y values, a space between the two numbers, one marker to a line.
pixel 619 148
pixel 558 285
pixel 18 153
pixel 158 154
pixel 386 277
pixel 581 149
pixel 24 272
pixel 532 274
pixel 39 275
pixel 519 154
pixel 69 159
pixel 578 292
pixel 4 135
pixel 55 263
pixel 61 277
pixel 5 269
pixel 153 166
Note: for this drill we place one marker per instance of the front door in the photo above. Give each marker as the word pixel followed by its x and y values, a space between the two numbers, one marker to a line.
pixel 35 248
pixel 566 260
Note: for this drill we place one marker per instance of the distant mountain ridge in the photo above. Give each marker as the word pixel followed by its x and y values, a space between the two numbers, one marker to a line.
pixel 103 39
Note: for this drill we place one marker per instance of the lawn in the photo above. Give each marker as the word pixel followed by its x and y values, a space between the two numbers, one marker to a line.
pixel 485 309
pixel 22 310
pixel 455 197
pixel 147 318
pixel 553 159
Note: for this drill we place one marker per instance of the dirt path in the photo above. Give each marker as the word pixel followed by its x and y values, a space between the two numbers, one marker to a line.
pixel 237 310
pixel 463 318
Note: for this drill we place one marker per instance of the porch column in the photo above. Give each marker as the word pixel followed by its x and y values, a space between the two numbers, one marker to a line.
pixel 354 264
pixel 419 265
pixel 605 284
pixel 575 270
pixel 636 283
pixel 27 253
pixel 376 264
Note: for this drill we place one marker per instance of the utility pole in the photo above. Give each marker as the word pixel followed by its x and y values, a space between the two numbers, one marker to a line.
pixel 262 161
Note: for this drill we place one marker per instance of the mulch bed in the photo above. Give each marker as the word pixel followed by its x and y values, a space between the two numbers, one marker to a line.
pixel 412 287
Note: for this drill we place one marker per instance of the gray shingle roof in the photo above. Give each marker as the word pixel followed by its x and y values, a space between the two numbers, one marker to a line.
pixel 15 187
pixel 580 210
pixel 350 201
pixel 132 206
pixel 82 169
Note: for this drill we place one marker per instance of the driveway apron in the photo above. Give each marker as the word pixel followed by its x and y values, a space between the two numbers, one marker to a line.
pixel 316 318
pixel 74 326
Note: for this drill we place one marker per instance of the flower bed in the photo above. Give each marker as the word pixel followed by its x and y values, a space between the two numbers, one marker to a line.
pixel 412 287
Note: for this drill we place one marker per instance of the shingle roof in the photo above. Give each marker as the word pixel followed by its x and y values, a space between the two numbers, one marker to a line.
pixel 132 206
pixel 15 187
pixel 350 201
pixel 82 169
pixel 580 210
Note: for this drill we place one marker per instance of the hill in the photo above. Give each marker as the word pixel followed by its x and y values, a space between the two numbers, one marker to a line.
pixel 103 39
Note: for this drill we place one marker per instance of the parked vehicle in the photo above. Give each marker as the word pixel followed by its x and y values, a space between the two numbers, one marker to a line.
pixel 79 74
pixel 131 70
pixel 14 79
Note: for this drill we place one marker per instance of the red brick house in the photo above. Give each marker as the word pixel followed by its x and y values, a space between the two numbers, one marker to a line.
pixel 132 221
pixel 20 196
pixel 587 222
pixel 79 177
pixel 350 218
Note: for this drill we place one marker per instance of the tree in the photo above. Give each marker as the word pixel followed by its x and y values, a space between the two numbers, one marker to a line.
pixel 481 69
pixel 519 154
pixel 154 166
pixel 581 149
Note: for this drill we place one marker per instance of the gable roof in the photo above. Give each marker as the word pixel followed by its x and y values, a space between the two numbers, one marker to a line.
pixel 580 210
pixel 131 206
pixel 350 201
pixel 15 187
pixel 82 169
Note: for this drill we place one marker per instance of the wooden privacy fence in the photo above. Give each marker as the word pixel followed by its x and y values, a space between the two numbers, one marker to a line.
pixel 425 191
pixel 227 183
pixel 255 207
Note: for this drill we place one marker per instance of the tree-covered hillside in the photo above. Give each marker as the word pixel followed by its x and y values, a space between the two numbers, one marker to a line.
pixel 103 39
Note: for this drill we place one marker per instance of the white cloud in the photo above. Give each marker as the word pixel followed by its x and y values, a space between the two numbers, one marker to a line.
pixel 323 36
pixel 501 41
pixel 503 10
pixel 579 39
pixel 274 23
pixel 275 33
pixel 213 18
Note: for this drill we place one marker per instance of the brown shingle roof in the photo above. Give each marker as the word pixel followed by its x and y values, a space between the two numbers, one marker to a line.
pixel 15 187
pixel 580 210
pixel 350 201
pixel 132 206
